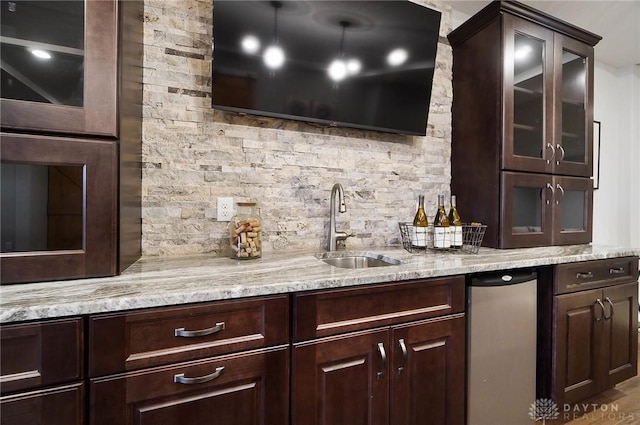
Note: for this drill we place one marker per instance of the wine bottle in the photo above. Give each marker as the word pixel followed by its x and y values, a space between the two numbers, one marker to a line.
pixel 441 230
pixel 420 224
pixel 456 224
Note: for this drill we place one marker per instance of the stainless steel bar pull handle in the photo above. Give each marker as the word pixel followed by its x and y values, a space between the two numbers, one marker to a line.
pixel 584 275
pixel 180 378
pixel 610 305
pixel 619 270
pixel 603 312
pixel 383 357
pixel 201 332
pixel 403 348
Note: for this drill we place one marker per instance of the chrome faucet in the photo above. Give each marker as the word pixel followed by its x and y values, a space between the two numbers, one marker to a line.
pixel 334 236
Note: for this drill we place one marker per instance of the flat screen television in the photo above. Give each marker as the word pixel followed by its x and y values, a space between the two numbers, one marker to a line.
pixel 359 64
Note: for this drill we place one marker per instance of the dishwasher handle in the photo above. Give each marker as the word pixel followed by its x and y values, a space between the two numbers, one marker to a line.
pixel 505 278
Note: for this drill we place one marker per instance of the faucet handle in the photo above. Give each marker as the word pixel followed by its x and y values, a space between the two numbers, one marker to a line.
pixel 341 238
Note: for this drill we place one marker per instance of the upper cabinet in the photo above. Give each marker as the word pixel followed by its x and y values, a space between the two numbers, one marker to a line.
pixel 548 98
pixel 60 66
pixel 522 126
pixel 70 138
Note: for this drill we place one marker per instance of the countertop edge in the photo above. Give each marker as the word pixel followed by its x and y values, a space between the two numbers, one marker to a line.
pixel 159 282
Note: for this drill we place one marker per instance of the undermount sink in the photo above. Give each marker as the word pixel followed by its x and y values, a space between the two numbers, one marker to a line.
pixel 356 260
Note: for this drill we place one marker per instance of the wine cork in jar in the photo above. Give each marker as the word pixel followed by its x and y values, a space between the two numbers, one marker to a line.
pixel 245 232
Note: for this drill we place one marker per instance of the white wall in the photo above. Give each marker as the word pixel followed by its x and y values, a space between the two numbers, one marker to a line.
pixel 617 201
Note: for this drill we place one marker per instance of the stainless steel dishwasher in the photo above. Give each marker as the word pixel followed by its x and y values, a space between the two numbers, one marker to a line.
pixel 501 347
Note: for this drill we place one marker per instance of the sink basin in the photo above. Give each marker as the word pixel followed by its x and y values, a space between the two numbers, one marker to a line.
pixel 356 260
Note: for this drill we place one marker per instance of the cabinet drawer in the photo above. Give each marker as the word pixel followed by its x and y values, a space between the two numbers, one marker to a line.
pixel 575 277
pixel 133 340
pixel 324 313
pixel 38 354
pixel 55 406
pixel 243 388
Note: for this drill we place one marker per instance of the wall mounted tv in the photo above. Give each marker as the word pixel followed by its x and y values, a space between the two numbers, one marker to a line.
pixel 359 64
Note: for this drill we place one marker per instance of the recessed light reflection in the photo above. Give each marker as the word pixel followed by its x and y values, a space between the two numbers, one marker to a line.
pixel 40 54
pixel 522 52
pixel 274 56
pixel 397 57
pixel 250 44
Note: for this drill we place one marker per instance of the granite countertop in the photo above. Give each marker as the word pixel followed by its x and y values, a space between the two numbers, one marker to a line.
pixel 162 281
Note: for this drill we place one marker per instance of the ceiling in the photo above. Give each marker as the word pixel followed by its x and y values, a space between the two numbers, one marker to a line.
pixel 618 22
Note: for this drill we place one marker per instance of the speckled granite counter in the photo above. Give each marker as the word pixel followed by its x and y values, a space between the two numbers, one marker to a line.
pixel 161 281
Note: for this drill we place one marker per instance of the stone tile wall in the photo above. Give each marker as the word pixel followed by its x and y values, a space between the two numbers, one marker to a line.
pixel 193 154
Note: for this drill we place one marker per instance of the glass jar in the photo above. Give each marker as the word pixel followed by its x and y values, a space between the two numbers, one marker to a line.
pixel 245 232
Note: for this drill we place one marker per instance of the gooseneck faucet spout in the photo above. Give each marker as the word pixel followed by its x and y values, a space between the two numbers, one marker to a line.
pixel 335 236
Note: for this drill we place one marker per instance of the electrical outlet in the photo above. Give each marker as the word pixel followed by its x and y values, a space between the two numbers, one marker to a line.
pixel 225 209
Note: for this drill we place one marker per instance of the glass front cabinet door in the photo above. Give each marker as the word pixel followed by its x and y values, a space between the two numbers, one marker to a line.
pixel 543 209
pixel 59 199
pixel 546 115
pixel 59 66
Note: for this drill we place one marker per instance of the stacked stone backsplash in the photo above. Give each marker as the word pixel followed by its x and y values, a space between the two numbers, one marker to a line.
pixel 193 154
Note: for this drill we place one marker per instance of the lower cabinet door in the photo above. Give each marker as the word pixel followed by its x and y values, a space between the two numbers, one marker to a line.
pixel 578 337
pixel 247 388
pixel 341 380
pixel 428 372
pixel 61 405
pixel 622 326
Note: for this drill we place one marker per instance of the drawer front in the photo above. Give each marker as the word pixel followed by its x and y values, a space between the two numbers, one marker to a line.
pixel 243 388
pixel 129 341
pixel 324 313
pixel 40 353
pixel 585 275
pixel 55 406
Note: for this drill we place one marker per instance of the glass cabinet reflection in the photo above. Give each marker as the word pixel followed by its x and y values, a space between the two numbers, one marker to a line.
pixel 43 51
pixel 42 207
pixel 573 133
pixel 528 96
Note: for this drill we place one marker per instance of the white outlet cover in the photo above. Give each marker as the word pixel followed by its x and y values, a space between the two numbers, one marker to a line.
pixel 225 208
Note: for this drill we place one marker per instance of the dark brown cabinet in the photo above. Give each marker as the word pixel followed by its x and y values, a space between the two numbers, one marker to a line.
pixel 544 209
pixel 64 77
pixel 392 367
pixel 59 200
pixel 242 388
pixel 523 103
pixel 592 337
pixel 71 139
pixel 41 372
pixel 181 365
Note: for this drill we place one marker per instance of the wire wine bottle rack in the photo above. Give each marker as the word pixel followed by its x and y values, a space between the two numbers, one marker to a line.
pixel 421 239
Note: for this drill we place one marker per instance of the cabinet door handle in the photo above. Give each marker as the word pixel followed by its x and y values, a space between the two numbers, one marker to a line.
pixel 561 193
pixel 559 146
pixel 180 378
pixel 383 357
pixel 553 152
pixel 403 348
pixel 619 270
pixel 603 312
pixel 201 332
pixel 610 305
pixel 584 275
pixel 553 193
